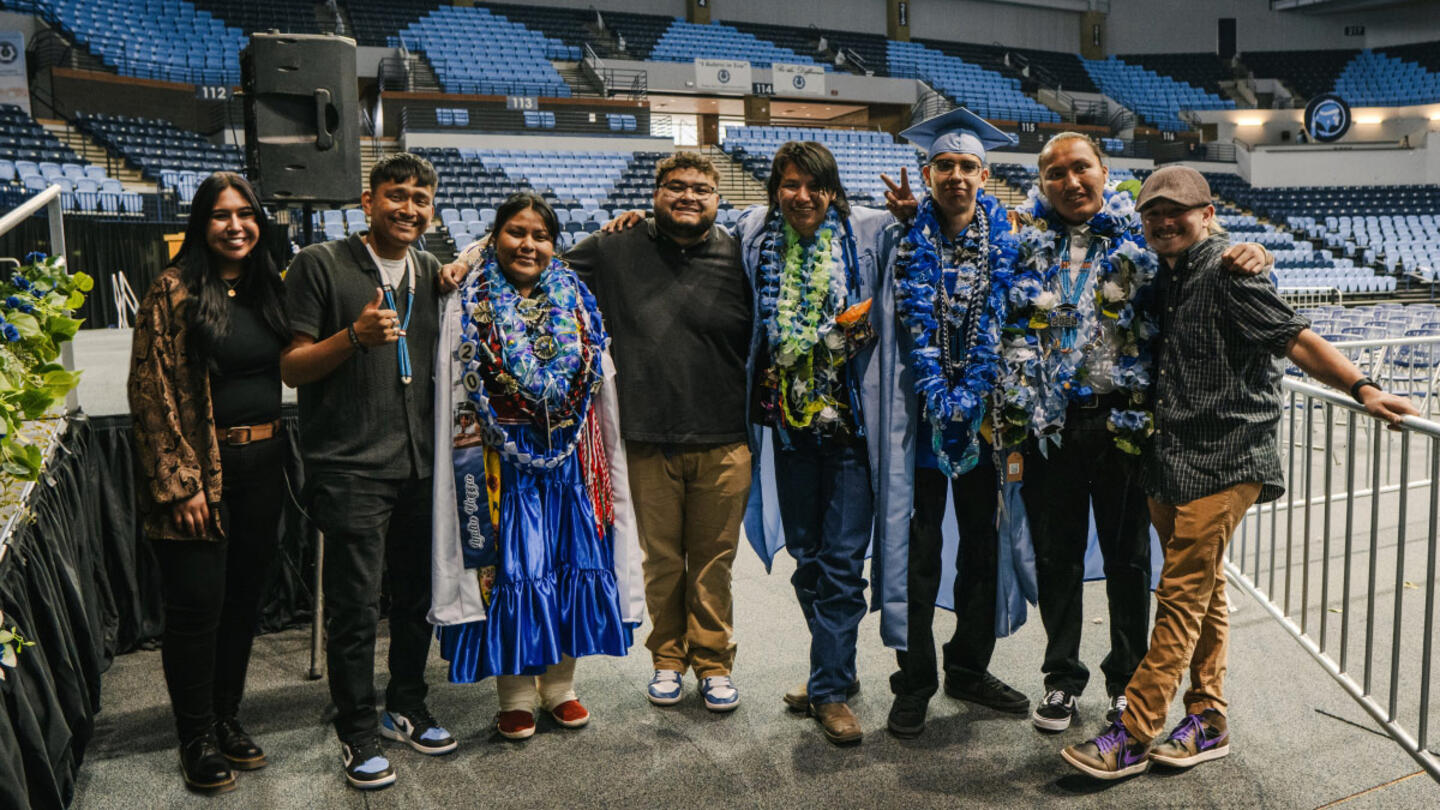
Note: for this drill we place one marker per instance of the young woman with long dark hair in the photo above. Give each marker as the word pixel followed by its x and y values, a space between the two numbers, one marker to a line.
pixel 204 394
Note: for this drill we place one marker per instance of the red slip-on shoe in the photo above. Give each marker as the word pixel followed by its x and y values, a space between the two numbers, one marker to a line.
pixel 515 725
pixel 571 714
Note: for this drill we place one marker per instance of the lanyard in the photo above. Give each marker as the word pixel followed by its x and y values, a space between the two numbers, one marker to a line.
pixel 1070 292
pixel 402 349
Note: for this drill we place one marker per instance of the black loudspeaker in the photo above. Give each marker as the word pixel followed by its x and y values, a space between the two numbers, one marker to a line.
pixel 302 117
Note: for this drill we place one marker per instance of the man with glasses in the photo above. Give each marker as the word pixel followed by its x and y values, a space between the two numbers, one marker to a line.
pixel 677 304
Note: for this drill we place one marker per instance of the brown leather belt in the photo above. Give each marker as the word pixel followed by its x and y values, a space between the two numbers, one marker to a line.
pixel 245 434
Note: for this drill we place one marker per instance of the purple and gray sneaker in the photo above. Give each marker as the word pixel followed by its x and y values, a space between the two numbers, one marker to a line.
pixel 1199 738
pixel 1112 755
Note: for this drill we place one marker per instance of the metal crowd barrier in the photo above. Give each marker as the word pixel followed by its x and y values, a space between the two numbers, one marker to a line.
pixel 1345 569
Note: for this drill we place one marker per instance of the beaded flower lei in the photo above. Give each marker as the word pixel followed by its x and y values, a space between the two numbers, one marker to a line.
pixel 1116 338
pixel 800 296
pixel 955 389
pixel 542 353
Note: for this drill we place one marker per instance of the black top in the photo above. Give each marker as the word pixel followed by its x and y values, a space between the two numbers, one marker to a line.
pixel 680 323
pixel 1217 383
pixel 245 383
pixel 360 419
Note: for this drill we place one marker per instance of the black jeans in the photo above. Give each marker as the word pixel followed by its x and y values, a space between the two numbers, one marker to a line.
pixel 967 654
pixel 212 590
pixel 1088 469
pixel 373 528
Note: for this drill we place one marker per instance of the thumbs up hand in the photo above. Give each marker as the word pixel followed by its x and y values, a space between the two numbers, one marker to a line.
pixel 376 325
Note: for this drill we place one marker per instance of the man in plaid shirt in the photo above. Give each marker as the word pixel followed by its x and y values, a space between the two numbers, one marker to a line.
pixel 1217 408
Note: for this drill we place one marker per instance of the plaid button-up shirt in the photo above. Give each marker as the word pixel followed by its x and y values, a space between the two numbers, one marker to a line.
pixel 1216 388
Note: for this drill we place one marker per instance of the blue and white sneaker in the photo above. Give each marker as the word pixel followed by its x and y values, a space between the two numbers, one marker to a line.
pixel 664 689
pixel 365 764
pixel 419 730
pixel 720 693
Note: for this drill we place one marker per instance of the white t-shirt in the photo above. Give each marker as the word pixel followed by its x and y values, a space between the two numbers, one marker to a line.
pixel 394 271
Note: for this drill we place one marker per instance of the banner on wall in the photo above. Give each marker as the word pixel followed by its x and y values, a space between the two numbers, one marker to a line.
pixel 798 80
pixel 14 86
pixel 722 75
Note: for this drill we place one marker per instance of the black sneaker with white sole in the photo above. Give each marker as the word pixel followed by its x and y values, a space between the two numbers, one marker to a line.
pixel 365 764
pixel 418 730
pixel 1055 711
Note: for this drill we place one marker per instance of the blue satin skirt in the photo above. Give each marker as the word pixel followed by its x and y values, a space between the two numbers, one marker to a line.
pixel 555 592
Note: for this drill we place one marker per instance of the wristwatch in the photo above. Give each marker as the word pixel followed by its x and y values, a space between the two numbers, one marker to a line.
pixel 1361 383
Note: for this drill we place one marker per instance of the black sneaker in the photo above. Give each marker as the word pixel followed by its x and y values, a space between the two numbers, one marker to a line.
pixel 236 745
pixel 987 690
pixel 907 716
pixel 418 730
pixel 365 764
pixel 1055 710
pixel 1118 704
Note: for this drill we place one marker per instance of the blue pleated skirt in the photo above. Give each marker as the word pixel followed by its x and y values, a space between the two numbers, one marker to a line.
pixel 555 592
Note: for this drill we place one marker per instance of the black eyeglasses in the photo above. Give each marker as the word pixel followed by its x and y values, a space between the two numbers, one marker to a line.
pixel 677 188
pixel 968 168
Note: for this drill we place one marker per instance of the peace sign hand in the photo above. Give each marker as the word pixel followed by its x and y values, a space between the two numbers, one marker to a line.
pixel 899 200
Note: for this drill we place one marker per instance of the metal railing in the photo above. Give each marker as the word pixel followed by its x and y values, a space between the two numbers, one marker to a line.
pixel 1302 557
pixel 628 82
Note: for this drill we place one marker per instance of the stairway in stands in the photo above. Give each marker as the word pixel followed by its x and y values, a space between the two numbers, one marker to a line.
pixel 90 151
pixel 580 84
pixel 736 185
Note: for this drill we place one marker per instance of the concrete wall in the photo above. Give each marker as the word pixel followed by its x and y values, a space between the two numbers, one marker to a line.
pixel 669 77
pixel 1184 26
pixel 1280 166
pixel 24 23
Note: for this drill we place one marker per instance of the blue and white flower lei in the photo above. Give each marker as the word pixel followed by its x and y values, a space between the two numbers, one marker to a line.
pixel 918 272
pixel 543 383
pixel 1042 382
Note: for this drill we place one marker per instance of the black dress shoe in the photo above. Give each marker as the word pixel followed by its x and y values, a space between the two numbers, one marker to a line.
pixel 907 716
pixel 987 690
pixel 236 745
pixel 205 769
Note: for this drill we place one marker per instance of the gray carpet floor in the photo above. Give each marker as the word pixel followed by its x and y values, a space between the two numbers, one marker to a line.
pixel 1299 740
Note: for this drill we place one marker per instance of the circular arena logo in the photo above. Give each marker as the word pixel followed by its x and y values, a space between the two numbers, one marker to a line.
pixel 799 82
pixel 723 75
pixel 1327 118
pixel 8 53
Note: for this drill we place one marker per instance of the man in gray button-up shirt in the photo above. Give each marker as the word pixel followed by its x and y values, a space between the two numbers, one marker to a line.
pixel 1217 406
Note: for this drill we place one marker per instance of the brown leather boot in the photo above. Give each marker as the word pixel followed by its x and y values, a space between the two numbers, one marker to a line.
pixel 798 699
pixel 841 725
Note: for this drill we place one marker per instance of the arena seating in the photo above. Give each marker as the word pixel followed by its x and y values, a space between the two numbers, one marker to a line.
pixel 684 41
pixel 1372 78
pixel 638 32
pixel 32 160
pixel 476 51
pixel 174 158
pixel 153 39
pixel 1155 98
pixel 801 41
pixel 262 15
pixel 1308 73
pixel 862 155
pixel 985 92
pixel 1424 54
pixel 564 24
pixel 870 48
pixel 1202 70
pixel 1066 70
pixel 375 21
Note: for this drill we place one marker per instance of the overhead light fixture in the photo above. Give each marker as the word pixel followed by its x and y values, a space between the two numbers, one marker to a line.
pixel 1250 122
pixel 1368 119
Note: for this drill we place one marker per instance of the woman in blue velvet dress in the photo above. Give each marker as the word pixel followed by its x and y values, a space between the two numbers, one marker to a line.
pixel 536 562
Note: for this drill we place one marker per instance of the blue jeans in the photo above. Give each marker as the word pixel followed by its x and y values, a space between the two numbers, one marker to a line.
pixel 826 509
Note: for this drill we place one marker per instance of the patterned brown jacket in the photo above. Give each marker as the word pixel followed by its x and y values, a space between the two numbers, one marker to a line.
pixel 176 452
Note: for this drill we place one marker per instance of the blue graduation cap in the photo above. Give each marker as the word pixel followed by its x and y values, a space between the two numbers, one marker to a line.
pixel 959 131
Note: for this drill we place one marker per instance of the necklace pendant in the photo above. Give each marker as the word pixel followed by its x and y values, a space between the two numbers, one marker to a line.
pixel 466 352
pixel 530 311
pixel 404 380
pixel 230 292
pixel 507 383
pixel 482 313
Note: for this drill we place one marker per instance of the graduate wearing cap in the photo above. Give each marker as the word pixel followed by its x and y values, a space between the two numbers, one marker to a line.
pixel 952 273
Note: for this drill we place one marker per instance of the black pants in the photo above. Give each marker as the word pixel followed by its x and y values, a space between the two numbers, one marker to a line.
pixel 212 590
pixel 373 528
pixel 1088 469
pixel 967 654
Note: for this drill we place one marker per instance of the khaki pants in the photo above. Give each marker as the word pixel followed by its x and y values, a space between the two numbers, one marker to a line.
pixel 689 501
pixel 1192 622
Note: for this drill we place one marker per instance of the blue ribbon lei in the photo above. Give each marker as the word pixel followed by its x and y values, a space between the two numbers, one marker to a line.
pixel 918 273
